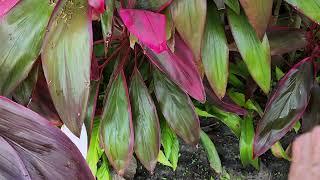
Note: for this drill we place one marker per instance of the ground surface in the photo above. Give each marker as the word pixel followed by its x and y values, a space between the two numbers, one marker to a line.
pixel 193 163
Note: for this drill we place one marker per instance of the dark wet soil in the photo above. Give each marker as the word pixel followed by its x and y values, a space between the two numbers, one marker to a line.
pixel 193 163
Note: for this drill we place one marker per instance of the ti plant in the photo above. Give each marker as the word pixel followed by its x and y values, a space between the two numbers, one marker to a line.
pixel 128 69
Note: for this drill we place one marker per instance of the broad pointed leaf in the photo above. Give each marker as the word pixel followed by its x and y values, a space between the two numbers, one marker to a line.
pixel 215 52
pixel 6 5
pixel 157 5
pixel 213 156
pixel 284 40
pixel 116 130
pixel 170 144
pixel 22 30
pixel 258 13
pixel 37 150
pixel 98 5
pixel 311 116
pixel 246 143
pixel 145 121
pixel 309 8
pixel 177 108
pixel 147 26
pixel 180 67
pixel 285 107
pixel 106 21
pixel 103 172
pixel 66 60
pixel 255 54
pixel 189 17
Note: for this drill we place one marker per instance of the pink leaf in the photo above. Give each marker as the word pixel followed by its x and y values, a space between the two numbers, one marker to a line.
pixel 98 5
pixel 149 27
pixel 6 5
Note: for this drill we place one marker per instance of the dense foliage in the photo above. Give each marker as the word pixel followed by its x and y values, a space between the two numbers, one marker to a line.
pixel 138 73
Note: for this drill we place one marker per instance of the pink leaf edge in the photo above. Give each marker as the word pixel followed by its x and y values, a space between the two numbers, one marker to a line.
pixel 6 6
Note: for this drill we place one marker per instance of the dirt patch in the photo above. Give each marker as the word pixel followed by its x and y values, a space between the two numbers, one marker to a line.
pixel 193 163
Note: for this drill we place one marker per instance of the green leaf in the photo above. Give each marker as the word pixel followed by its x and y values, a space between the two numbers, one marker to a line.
pixel 203 113
pixel 279 73
pixel 278 151
pixel 170 143
pixel 116 130
pixel 94 151
pixel 157 5
pixel 215 52
pixel 310 8
pixel 246 143
pixel 255 54
pixel 220 4
pixel 213 155
pixel 229 119
pixel 66 60
pixel 21 33
pixel 163 159
pixel 145 122
pixel 258 13
pixel 106 21
pixel 177 108
pixel 297 127
pixel 234 5
pixel 189 17
pixel 22 94
pixel 103 172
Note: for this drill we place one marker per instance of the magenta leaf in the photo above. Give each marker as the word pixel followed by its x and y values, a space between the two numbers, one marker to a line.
pixel 98 5
pixel 180 67
pixel 147 26
pixel 31 148
pixel 285 107
pixel 6 5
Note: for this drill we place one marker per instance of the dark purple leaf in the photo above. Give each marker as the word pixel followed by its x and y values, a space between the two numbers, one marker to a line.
pixel 37 150
pixel 311 116
pixel 226 106
pixel 180 67
pixel 285 106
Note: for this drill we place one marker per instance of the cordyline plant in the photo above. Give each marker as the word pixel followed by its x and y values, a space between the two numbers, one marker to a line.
pixel 154 55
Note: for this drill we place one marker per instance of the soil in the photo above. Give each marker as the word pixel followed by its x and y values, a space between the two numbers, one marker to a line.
pixel 193 163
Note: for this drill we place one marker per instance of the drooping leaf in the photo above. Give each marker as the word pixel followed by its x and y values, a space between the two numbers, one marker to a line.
pixel 66 59
pixel 147 26
pixel 170 143
pixel 22 94
pixel 215 52
pixel 246 143
pixel 103 172
pixel 177 108
pixel 258 13
pixel 6 5
pixel 41 101
pixel 145 122
pixel 98 5
pixel 285 40
pixel 234 5
pixel 157 5
pixel 311 116
pixel 116 130
pixel 94 151
pixel 309 8
pixel 189 17
pixel 285 107
pixel 213 99
pixel 255 54
pixel 37 150
pixel 163 159
pixel 213 155
pixel 180 68
pixel 22 30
